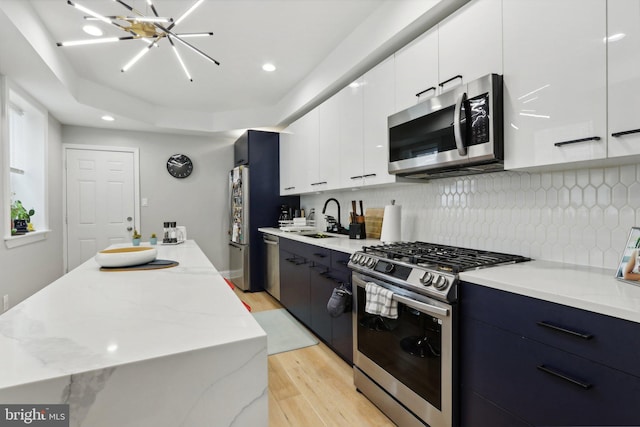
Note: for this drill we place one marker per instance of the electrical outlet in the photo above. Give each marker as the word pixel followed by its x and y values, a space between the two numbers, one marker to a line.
pixel 5 302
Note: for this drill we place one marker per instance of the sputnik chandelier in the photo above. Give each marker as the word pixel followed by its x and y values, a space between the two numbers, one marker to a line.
pixel 151 29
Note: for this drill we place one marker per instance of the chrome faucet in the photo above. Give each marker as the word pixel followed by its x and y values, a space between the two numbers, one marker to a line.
pixel 335 227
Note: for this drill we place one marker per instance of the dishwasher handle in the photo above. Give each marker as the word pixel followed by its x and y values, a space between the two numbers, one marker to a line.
pixel 270 242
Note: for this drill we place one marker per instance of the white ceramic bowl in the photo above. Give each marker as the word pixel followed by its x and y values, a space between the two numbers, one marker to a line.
pixel 125 257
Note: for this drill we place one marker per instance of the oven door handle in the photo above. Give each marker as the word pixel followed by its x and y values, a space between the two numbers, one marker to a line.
pixel 418 305
pixel 421 306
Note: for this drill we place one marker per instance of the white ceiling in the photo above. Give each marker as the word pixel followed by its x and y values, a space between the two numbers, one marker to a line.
pixel 78 84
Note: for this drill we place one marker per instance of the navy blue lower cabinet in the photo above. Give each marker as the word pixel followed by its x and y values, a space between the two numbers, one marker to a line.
pixel 479 412
pixel 543 385
pixel 321 289
pixel 295 294
pixel 308 275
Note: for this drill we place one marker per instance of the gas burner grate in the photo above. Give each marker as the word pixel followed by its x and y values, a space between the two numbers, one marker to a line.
pixel 442 257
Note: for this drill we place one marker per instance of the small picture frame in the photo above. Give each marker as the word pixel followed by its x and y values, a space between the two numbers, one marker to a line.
pixel 630 258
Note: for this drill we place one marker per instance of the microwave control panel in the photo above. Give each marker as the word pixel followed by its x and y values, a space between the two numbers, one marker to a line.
pixel 479 117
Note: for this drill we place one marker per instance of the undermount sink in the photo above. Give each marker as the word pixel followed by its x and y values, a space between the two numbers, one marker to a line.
pixel 319 235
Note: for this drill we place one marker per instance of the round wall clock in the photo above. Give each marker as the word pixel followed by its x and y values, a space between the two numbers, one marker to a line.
pixel 179 166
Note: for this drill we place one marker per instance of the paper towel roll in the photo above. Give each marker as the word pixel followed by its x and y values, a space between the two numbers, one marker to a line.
pixel 391 224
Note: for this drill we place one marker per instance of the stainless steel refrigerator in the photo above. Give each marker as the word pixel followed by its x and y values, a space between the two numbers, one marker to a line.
pixel 239 227
pixel 256 160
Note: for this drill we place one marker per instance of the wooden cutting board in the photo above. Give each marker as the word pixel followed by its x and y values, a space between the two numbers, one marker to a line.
pixel 373 220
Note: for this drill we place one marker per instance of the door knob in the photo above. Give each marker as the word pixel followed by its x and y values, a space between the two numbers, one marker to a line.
pixel 129 228
pixel 129 219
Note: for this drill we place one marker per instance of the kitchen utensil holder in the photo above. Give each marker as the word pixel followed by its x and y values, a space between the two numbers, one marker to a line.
pixel 357 231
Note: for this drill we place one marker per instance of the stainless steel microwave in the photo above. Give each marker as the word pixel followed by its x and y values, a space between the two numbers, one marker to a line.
pixel 458 132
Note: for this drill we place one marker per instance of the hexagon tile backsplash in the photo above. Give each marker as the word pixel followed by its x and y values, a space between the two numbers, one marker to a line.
pixel 578 216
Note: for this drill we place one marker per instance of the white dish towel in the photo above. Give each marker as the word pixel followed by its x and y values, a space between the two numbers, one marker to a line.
pixel 380 301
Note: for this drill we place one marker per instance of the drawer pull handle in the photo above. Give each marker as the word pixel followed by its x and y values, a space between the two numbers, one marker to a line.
pixel 626 132
pixel 583 335
pixel 320 255
pixel 319 183
pixel 573 141
pixel 565 377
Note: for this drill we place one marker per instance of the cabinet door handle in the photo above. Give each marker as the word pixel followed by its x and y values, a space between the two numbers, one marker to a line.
pixel 369 175
pixel 289 188
pixel 240 162
pixel 433 88
pixel 450 80
pixel 320 255
pixel 565 377
pixel 573 141
pixel 583 335
pixel 319 183
pixel 356 177
pixel 626 132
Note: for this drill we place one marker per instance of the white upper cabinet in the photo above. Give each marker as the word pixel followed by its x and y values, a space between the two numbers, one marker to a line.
pixel 623 46
pixel 470 43
pixel 555 94
pixel 416 70
pixel 351 160
pixel 294 175
pixel 328 146
pixel 308 137
pixel 378 105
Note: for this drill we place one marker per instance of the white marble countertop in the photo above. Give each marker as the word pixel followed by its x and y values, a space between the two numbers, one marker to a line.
pixel 340 242
pixel 587 288
pixel 89 319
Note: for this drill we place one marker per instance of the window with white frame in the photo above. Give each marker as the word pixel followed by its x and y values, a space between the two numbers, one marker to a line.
pixel 25 168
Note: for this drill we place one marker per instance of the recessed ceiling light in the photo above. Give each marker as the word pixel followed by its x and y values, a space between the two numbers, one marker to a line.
pixel 269 67
pixel 108 118
pixel 92 30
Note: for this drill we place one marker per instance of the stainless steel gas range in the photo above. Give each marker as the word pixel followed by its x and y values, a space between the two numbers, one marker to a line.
pixel 407 365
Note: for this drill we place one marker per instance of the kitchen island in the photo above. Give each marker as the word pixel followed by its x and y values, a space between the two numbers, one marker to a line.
pixel 162 348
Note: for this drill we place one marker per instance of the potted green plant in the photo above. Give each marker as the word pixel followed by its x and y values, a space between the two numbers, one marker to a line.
pixel 154 239
pixel 21 218
pixel 136 237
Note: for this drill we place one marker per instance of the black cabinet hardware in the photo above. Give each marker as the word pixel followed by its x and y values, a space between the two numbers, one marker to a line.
pixel 369 175
pixel 320 255
pixel 626 132
pixel 583 335
pixel 573 141
pixel 241 162
pixel 289 188
pixel 319 183
pixel 450 80
pixel 356 177
pixel 565 377
pixel 433 88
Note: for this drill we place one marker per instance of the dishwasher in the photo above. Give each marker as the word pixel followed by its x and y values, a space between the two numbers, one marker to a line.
pixel 273 265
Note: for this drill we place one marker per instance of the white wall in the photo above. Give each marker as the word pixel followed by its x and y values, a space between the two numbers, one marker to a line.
pixel 198 202
pixel 26 269
pixel 576 216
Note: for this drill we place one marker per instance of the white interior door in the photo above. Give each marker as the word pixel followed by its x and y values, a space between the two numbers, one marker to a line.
pixel 100 201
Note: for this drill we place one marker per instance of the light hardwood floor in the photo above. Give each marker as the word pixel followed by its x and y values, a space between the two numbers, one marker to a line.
pixel 312 386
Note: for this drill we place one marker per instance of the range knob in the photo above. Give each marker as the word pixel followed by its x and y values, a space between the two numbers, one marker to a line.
pixel 363 260
pixel 426 278
pixel 440 283
pixel 371 262
pixel 355 258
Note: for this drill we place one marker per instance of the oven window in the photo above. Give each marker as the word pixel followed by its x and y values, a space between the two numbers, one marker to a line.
pixel 408 348
pixel 427 135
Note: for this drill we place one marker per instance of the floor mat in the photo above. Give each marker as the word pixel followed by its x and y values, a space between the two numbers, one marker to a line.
pixel 284 332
